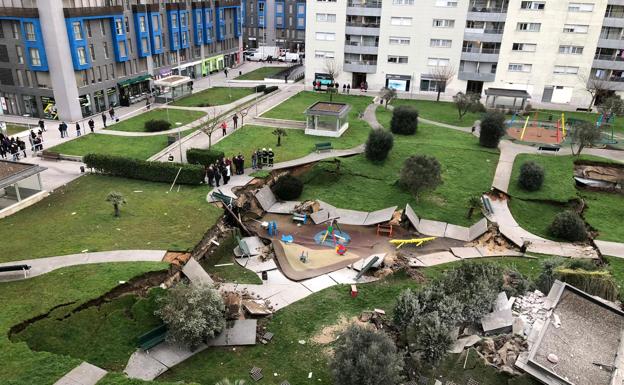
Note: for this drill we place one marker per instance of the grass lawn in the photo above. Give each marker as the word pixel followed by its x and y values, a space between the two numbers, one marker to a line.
pixel 13 129
pixel 467 170
pixel 293 108
pixel 215 96
pixel 558 184
pixel 535 216
pixel 76 217
pixel 234 273
pixel 443 112
pixel 139 147
pixel 22 300
pixel 605 213
pixel 113 340
pixel 137 123
pixel 261 73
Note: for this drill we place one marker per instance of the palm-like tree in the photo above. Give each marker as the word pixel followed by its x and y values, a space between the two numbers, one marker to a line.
pixel 116 199
pixel 279 132
pixel 473 203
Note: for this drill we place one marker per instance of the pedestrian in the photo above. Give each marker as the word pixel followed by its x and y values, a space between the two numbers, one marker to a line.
pixel 208 177
pixel 361 86
pixel 111 112
pixel 224 174
pixel 270 156
pixel 228 172
pixel 14 150
pixel 224 128
pixel 77 129
pixel 148 104
pixel 104 119
pixel 241 159
pixel 264 156
pixel 254 160
pixel 235 120
pixel 31 139
pixel 42 125
pixel 217 174
pixel 91 125
pixel 337 86
pixel 60 128
pixel 344 88
pixel 225 71
pixel 348 88
pixel 22 146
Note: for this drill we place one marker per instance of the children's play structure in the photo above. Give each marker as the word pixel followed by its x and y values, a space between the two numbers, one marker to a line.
pixel 333 236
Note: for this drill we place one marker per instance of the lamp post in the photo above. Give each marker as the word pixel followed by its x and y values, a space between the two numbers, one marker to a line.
pixel 179 139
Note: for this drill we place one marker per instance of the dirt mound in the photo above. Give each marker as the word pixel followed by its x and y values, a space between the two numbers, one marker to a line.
pixel 330 333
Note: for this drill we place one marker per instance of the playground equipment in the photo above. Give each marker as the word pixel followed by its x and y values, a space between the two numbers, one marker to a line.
pixel 384 229
pixel 414 241
pixel 272 228
pixel 340 249
pixel 304 257
pixel 333 235
pixel 303 218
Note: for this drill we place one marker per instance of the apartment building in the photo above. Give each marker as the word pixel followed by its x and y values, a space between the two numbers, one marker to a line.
pixel 73 58
pixel 551 48
pixel 279 23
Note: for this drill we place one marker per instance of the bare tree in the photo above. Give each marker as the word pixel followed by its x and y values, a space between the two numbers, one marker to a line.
pixel 387 95
pixel 442 75
pixel 465 102
pixel 332 68
pixel 244 111
pixel 211 125
pixel 598 87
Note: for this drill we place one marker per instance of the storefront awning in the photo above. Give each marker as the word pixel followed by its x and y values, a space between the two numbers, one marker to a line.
pixel 138 79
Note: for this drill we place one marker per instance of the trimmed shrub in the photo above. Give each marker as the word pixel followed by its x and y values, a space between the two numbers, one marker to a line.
pixel 288 188
pixel 157 125
pixel 531 176
pixel 570 226
pixel 144 170
pixel 260 88
pixel 492 129
pixel 378 145
pixel 478 107
pixel 204 157
pixel 421 173
pixel 404 120
pixel 270 89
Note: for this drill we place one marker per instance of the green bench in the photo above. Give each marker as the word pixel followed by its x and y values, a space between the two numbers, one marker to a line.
pixel 153 337
pixel 325 146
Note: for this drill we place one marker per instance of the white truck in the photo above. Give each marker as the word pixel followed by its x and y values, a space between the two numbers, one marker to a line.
pixel 265 53
pixel 289 57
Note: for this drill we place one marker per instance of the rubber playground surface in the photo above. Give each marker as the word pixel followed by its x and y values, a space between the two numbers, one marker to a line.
pixel 535 134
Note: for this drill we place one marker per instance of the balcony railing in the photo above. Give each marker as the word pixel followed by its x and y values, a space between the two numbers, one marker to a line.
pixel 364 4
pixel 495 51
pixel 361 62
pixel 615 14
pixel 611 36
pixel 609 57
pixel 361 24
pixel 487 9
pixel 496 31
pixel 360 44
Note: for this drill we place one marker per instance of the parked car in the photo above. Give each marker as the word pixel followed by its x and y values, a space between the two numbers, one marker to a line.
pixel 289 57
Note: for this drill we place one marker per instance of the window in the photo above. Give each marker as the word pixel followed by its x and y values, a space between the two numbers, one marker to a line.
pixel 394 40
pixel 82 56
pixel 127 25
pixel 102 27
pixel 122 49
pixel 401 20
pixel 571 49
pixel 174 20
pixel 575 28
pixel 183 19
pixel 30 31
pixel 529 27
pixel 566 70
pixel 441 43
pixel 325 36
pixel 437 62
pixel 446 3
pixel 397 59
pixel 300 22
pixel 77 30
pixel 105 44
pixel 35 59
pixel 431 85
pixel 142 26
pixel 534 5
pixel 324 54
pixel 524 47
pixel 92 52
pixel 326 17
pixel 88 26
pixel 155 22
pixel 443 23
pixel 157 42
pixel 184 38
pixel 516 67
pixel 119 27
pixel 403 2
pixel 580 7
pixel 15 29
pixel 20 54
pixel 144 45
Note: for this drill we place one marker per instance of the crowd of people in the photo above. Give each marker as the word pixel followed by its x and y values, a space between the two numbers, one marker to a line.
pixel 14 148
pixel 222 170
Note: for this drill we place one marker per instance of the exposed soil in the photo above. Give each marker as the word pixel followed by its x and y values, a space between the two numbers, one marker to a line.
pixel 330 333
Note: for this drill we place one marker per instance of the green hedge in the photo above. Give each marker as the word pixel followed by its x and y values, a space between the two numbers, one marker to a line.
pixel 202 156
pixel 144 170
pixel 261 88
pixel 157 125
pixel 268 90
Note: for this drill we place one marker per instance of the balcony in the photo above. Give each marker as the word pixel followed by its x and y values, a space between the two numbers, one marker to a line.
pixel 486 35
pixel 366 29
pixel 359 48
pixel 615 2
pixel 480 54
pixel 364 66
pixel 483 12
pixel 364 8
pixel 612 62
pixel 610 42
pixel 477 76
pixel 613 19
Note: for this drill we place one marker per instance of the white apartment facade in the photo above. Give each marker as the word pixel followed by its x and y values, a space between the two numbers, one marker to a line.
pixel 549 48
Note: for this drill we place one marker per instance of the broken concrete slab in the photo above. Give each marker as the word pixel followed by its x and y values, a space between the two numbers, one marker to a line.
pixel 319 283
pixel 286 297
pixel 286 207
pixel 256 308
pixel 142 366
pixel 321 216
pixel 415 262
pixel 239 333
pixel 510 233
pixel 256 264
pixel 501 302
pixel 380 216
pixel 432 228
pixel 612 249
pixel 478 229
pixel 83 374
pixel 252 245
pixel 457 232
pixel 460 344
pixel 196 274
pixel 351 217
pixel 266 198
pixel 172 354
pixel 411 216
pixel 359 265
pixel 486 252
pixel 466 252
pixel 497 322
pixel 347 276
pixel 437 258
pixel 518 326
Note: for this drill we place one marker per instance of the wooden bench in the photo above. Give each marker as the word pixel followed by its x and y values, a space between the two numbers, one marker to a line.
pixel 550 149
pixel 487 205
pixel 325 146
pixel 153 337
pixel 384 229
pixel 50 155
pixel 10 268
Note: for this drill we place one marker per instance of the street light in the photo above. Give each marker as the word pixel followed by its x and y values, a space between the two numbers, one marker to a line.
pixel 179 139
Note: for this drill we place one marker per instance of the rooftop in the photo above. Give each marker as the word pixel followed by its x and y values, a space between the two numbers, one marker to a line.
pixel 507 92
pixel 328 108
pixel 12 172
pixel 172 81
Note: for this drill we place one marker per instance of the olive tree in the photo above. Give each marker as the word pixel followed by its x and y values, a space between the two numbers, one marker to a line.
pixel 421 173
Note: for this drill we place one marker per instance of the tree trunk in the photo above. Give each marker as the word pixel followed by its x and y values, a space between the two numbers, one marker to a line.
pixel 591 102
pixel 209 140
pixel 470 211
pixel 439 91
pixel 279 140
pixel 116 207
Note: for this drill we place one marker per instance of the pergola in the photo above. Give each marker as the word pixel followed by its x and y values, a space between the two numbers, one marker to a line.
pixel 18 181
pixel 175 87
pixel 503 93
pixel 327 119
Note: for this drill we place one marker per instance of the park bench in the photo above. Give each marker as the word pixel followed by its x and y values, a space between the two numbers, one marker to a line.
pixel 580 109
pixel 324 146
pixel 153 337
pixel 487 205
pixel 10 268
pixel 50 155
pixel 549 149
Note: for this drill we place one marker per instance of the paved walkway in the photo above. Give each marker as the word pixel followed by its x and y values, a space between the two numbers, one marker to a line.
pixel 83 374
pixel 45 265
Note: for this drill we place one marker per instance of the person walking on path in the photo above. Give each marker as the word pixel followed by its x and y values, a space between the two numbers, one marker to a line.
pixel 235 120
pixel 104 118
pixel 224 128
pixel 22 146
pixel 148 104
pixel 241 159
pixel 217 174
pixel 225 71
pixel 77 129
pixel 209 175
pixel 42 125
pixel 111 112
pixel 254 160
pixel 91 125
pixel 348 88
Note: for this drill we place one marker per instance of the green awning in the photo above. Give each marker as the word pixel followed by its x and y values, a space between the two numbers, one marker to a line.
pixel 138 79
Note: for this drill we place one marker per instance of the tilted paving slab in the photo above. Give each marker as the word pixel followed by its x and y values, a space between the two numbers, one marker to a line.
pixel 286 207
pixel 286 297
pixel 321 216
pixel 319 283
pixel 346 276
pixel 478 229
pixel 437 258
pixel 256 264
pixel 144 367
pixel 195 273
pixel 432 228
pixel 466 252
pixel 612 249
pixel 172 354
pixel 359 265
pixel 484 251
pixel 239 333
pixel 509 233
pixel 351 217
pixel 457 232
pixel 266 198
pixel 411 216
pixel 380 216
pixel 83 374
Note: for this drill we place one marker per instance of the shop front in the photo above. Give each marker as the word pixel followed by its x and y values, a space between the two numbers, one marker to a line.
pixel 98 101
pixel 49 108
pixel 85 105
pixel 191 70
pixel 212 64
pixel 113 96
pixel 398 82
pixel 134 90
